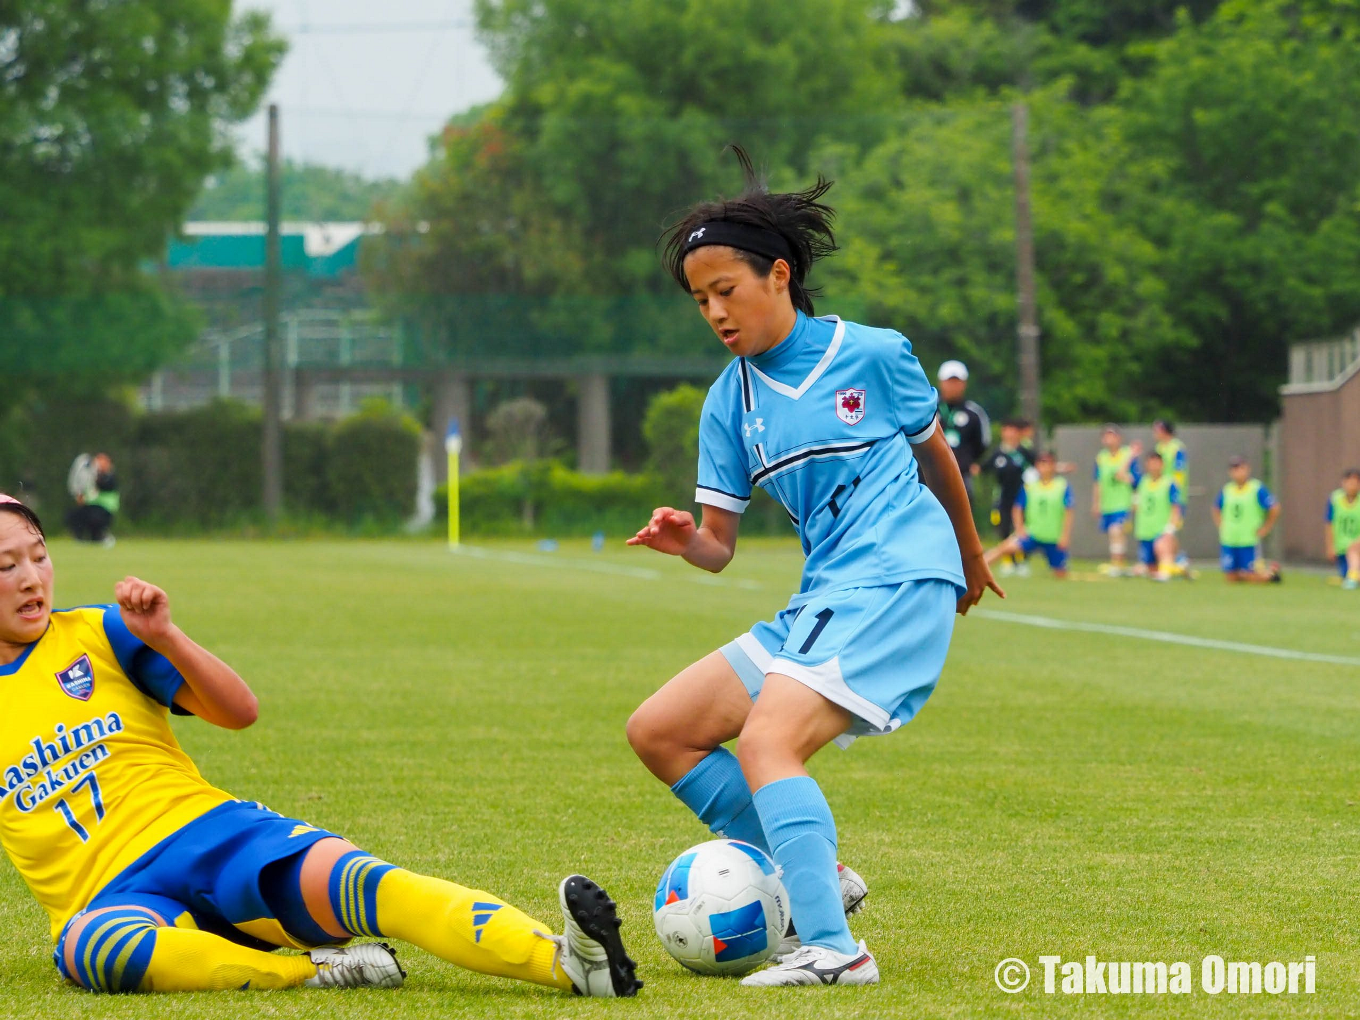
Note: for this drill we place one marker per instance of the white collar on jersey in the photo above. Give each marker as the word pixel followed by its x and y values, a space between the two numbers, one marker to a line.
pixel 818 370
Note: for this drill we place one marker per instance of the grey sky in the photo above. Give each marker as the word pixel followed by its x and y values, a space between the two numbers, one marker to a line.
pixel 365 84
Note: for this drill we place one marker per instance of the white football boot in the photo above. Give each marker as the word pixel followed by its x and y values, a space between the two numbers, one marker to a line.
pixel 362 965
pixel 814 965
pixel 590 951
pixel 853 891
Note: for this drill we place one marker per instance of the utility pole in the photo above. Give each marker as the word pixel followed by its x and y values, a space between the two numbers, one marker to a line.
pixel 1028 339
pixel 273 375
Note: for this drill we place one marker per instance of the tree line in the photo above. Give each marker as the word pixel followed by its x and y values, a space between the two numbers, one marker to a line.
pixel 1196 200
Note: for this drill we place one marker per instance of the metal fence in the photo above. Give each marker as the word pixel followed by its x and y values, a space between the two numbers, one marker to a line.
pixel 231 364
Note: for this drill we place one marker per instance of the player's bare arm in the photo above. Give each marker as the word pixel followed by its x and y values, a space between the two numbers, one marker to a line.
pixel 941 475
pixel 709 546
pixel 212 690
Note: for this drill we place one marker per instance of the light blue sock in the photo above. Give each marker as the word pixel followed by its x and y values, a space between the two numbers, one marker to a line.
pixel 798 823
pixel 716 791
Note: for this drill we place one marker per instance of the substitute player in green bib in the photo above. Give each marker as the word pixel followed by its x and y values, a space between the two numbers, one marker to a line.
pixel 1043 518
pixel 1244 513
pixel 1157 517
pixel 1343 528
pixel 1116 475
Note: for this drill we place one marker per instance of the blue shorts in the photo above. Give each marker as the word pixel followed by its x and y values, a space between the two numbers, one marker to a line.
pixel 1147 552
pixel 1108 521
pixel 1238 559
pixel 877 652
pixel 1057 558
pixel 210 870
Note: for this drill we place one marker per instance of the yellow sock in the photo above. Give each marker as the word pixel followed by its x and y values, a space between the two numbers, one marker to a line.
pixel 470 928
pixel 187 960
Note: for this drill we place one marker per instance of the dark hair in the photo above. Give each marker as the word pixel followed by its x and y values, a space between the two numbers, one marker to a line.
pixel 1015 423
pixel 1045 455
pixel 1351 473
pixel 19 510
pixel 1165 425
pixel 1152 453
pixel 797 216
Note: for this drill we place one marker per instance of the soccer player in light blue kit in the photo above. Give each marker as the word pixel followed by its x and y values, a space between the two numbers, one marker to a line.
pixel 837 422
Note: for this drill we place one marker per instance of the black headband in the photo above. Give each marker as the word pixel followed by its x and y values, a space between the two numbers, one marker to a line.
pixel 759 240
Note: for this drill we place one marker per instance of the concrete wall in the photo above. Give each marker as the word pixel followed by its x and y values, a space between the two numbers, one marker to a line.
pixel 1208 448
pixel 1319 438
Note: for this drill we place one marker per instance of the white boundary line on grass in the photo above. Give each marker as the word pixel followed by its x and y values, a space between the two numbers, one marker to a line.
pixel 554 562
pixel 1165 637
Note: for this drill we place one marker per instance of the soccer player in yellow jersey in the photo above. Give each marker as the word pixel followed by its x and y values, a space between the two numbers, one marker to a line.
pixel 154 880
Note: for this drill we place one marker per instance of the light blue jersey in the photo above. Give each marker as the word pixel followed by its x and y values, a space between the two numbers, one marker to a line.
pixel 824 422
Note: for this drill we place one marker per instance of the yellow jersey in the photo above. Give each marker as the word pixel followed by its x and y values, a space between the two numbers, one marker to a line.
pixel 91 776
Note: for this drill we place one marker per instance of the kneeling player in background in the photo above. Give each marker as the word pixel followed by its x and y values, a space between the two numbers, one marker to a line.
pixel 1244 514
pixel 1157 517
pixel 1343 528
pixel 1043 518
pixel 156 881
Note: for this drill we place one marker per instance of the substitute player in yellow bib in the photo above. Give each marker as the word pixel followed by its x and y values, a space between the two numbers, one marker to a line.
pixel 155 880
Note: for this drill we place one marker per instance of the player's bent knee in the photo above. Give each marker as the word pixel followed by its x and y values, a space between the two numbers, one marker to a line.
pixel 652 734
pixel 109 949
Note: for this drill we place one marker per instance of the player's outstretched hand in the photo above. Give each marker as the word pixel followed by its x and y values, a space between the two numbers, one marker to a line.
pixel 145 609
pixel 669 531
pixel 978 576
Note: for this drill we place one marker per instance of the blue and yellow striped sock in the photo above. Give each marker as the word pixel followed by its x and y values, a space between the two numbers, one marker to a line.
pixel 126 949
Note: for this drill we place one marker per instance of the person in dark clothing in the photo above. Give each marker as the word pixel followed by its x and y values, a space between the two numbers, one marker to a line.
pixel 1009 463
pixel 92 516
pixel 966 426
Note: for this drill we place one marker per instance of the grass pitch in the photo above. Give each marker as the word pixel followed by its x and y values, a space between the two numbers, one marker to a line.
pixel 1062 793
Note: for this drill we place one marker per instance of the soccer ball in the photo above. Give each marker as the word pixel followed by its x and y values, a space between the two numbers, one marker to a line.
pixel 721 908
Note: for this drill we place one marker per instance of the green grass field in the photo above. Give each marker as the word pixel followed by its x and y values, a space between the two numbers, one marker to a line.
pixel 1063 792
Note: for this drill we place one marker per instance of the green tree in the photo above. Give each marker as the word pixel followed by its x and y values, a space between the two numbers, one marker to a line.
pixel 541 221
pixel 671 428
pixel 111 115
pixel 929 223
pixel 1246 133
pixel 310 192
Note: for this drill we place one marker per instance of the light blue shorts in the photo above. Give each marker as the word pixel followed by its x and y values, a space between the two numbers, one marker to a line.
pixel 877 652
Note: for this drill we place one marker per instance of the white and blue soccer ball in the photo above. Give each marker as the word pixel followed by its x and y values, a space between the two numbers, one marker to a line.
pixel 721 908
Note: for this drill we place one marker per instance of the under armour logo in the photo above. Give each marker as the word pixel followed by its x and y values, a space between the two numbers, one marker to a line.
pixel 759 426
pixel 697 234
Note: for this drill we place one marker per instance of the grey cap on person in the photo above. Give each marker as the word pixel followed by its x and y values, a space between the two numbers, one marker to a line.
pixel 1237 462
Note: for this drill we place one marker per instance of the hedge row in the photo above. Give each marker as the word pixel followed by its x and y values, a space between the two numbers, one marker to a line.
pixel 547 499
pixel 189 470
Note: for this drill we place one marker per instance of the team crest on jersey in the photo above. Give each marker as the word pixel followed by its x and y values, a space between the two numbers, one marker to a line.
pixel 850 406
pixel 77 679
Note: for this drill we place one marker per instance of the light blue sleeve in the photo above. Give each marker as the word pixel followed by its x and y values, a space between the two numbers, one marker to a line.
pixel 1095 472
pixel 1067 495
pixel 1264 499
pixel 916 401
pixel 723 478
pixel 150 671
